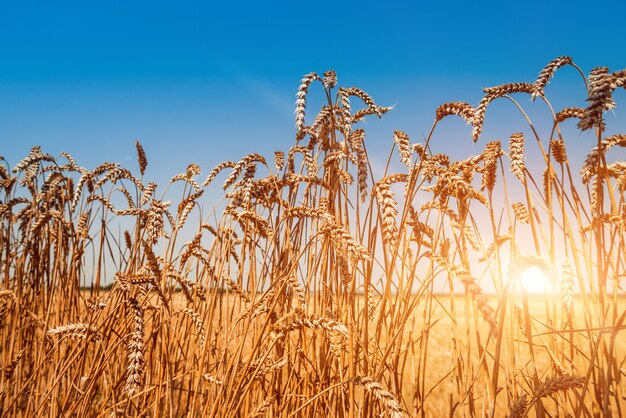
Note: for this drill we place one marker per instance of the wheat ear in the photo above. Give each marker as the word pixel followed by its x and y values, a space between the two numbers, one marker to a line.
pixel 383 396
pixel 135 349
pixel 547 73
pixel 301 102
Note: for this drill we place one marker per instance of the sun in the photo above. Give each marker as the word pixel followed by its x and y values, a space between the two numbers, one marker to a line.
pixel 534 280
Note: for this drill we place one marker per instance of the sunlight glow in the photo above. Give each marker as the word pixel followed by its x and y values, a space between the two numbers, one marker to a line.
pixel 534 280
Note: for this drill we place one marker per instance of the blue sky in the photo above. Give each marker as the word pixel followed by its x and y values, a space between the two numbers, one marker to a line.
pixel 202 82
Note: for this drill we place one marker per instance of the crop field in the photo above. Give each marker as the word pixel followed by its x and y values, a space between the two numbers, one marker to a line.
pixel 317 285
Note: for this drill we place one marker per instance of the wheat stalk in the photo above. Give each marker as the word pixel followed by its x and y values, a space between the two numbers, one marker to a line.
pixel 567 293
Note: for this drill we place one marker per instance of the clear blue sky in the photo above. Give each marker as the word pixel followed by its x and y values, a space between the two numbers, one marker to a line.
pixel 203 82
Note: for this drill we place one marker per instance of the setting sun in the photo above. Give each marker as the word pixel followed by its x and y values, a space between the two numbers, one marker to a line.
pixel 534 280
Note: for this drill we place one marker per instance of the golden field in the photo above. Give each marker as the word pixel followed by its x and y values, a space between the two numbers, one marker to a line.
pixel 319 285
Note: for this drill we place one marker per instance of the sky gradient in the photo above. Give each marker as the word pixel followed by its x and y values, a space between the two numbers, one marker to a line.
pixel 203 82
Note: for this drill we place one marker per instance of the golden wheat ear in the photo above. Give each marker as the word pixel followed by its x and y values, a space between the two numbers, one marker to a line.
pixel 568 113
pixel 301 103
pixel 557 148
pixel 383 396
pixel 517 156
pixel 135 370
pixel 519 407
pixel 593 161
pixel 601 87
pixel 76 332
pixel 403 142
pixel 491 156
pixel 330 79
pixel 141 157
pixel 492 93
pixel 461 109
pixel 553 385
pixel 547 73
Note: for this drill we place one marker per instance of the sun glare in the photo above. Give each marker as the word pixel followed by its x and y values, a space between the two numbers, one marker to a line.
pixel 534 280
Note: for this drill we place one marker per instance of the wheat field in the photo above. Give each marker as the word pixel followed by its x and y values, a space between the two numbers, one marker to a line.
pixel 318 286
